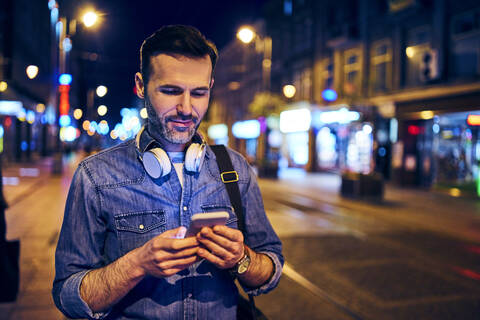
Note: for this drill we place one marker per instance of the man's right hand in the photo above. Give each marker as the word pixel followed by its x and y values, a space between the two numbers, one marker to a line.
pixel 166 254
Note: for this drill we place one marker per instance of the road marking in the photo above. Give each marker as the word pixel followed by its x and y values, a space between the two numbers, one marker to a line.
pixel 304 282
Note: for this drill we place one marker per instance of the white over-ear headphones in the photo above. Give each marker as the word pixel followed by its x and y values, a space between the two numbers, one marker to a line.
pixel 157 163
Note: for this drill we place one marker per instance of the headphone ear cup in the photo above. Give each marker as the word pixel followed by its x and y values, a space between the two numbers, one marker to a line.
pixel 156 163
pixel 194 157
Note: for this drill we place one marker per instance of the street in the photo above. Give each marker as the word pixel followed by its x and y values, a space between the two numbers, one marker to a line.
pixel 416 255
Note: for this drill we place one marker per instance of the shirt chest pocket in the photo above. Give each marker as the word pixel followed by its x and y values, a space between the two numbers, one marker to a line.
pixel 136 228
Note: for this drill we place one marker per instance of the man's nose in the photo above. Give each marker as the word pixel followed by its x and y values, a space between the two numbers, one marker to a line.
pixel 185 104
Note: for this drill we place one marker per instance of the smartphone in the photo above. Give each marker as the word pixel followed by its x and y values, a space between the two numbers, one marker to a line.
pixel 208 219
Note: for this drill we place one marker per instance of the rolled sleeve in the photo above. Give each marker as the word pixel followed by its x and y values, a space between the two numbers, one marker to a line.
pixel 79 248
pixel 272 283
pixel 260 235
pixel 71 300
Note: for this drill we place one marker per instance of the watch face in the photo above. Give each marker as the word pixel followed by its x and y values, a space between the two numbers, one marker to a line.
pixel 243 265
pixel 242 268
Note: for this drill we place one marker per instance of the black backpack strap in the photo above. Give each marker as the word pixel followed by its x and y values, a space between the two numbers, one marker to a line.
pixel 229 178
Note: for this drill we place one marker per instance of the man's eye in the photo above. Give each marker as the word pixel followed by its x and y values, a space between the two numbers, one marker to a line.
pixel 199 93
pixel 171 91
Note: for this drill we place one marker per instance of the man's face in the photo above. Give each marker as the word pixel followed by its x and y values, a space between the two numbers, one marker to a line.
pixel 177 95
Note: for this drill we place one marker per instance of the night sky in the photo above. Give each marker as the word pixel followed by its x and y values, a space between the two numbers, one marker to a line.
pixel 125 24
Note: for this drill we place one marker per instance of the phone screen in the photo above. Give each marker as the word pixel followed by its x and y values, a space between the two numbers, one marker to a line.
pixel 209 219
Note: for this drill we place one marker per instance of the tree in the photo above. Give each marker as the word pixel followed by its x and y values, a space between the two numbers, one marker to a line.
pixel 265 104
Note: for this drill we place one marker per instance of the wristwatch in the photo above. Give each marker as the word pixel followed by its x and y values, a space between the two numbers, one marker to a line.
pixel 242 265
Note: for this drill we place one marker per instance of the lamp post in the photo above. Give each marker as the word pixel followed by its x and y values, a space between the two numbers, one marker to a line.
pixel 63 30
pixel 263 44
pixel 247 34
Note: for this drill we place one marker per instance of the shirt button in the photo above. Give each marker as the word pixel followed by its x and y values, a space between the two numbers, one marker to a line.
pixel 185 208
pixel 141 227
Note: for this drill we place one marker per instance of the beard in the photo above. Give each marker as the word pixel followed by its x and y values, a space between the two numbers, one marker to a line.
pixel 159 128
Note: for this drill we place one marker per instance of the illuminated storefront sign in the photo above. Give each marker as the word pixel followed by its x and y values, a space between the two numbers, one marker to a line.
pixel 10 108
pixel 65 80
pixel 249 129
pixel 298 120
pixel 473 119
pixel 342 115
pixel 64 99
pixel 1 138
pixel 217 131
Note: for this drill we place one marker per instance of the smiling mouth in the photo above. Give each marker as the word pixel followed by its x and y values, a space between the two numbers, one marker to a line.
pixel 182 123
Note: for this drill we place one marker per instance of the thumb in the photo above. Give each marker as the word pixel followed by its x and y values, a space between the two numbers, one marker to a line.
pixel 178 233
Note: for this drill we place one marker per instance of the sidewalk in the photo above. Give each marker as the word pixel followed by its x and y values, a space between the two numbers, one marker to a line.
pixel 20 179
pixel 430 209
pixel 35 219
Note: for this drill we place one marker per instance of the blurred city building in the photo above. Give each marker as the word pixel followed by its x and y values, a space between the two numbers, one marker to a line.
pixel 26 81
pixel 391 86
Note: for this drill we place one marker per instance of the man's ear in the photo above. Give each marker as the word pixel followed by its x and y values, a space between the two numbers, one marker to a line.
pixel 139 85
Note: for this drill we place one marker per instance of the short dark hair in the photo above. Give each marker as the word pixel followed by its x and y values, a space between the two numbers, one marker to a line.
pixel 176 40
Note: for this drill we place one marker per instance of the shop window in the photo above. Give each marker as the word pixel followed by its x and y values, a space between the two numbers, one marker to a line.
pixel 359 148
pixel 465 34
pixel 326 148
pixel 418 44
pixel 251 148
pixel 457 152
pixel 352 67
pixel 297 148
pixel 381 67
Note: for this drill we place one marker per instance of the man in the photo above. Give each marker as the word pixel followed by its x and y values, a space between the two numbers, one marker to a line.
pixel 122 251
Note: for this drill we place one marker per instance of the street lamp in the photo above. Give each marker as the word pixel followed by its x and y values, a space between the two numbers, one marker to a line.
pixel 247 34
pixel 3 86
pixel 77 114
pixel 101 91
pixel 289 91
pixel 144 113
pixel 102 110
pixel 32 71
pixel 89 19
pixel 40 108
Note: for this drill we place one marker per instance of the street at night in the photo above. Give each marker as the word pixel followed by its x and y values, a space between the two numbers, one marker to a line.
pixel 416 255
pixel 135 137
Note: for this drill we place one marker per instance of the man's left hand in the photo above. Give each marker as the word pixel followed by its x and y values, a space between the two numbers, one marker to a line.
pixel 223 246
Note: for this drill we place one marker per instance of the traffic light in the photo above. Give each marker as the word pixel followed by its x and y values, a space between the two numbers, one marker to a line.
pixel 429 65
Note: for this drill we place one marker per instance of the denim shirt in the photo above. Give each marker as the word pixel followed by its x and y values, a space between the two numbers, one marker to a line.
pixel 114 206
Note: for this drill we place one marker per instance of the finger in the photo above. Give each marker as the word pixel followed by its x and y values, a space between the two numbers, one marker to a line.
pixel 177 263
pixel 174 244
pixel 205 254
pixel 177 233
pixel 216 249
pixel 182 253
pixel 229 233
pixel 207 233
